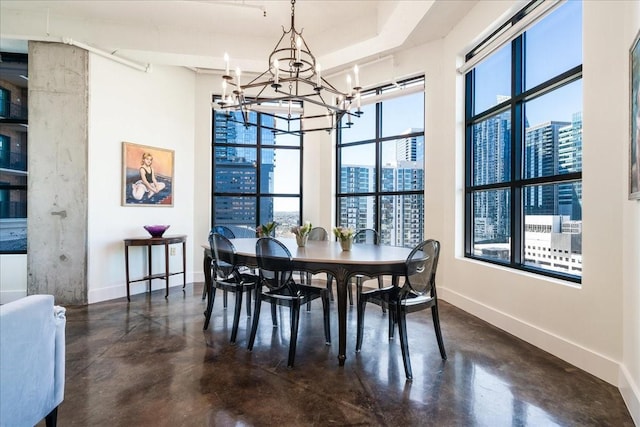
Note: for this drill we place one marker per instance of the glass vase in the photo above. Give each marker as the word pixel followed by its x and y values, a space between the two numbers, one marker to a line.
pixel 346 244
pixel 302 240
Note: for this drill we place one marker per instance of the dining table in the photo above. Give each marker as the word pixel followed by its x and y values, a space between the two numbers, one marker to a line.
pixel 328 257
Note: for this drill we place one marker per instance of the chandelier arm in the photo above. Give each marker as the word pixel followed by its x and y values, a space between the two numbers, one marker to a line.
pixel 330 86
pixel 275 48
pixel 322 104
pixel 260 92
pixel 256 78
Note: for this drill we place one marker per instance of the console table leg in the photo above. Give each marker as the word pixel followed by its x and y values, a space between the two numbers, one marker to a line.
pixel 149 248
pixel 184 264
pixel 166 268
pixel 126 264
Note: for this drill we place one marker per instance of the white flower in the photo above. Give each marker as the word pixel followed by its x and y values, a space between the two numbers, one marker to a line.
pixel 343 233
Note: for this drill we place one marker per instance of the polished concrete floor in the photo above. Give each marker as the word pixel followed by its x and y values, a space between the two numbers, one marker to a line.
pixel 149 363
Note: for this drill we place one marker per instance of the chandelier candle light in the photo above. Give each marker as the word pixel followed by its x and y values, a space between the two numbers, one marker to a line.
pixel 293 79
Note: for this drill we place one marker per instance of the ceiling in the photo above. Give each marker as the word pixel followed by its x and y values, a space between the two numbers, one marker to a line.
pixel 197 33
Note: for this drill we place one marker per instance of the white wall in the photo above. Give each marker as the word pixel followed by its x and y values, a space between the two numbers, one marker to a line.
pixel 205 86
pixel 155 109
pixel 629 382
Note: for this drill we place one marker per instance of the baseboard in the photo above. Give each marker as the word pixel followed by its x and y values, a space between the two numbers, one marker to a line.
pixel 198 277
pixel 120 290
pixel 590 361
pixel 630 394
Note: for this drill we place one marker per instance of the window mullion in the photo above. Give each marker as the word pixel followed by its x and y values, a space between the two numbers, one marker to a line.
pixel 517 145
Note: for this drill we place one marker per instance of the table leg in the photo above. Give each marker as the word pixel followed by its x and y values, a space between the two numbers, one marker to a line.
pixel 184 264
pixel 126 264
pixel 149 249
pixel 342 279
pixel 166 268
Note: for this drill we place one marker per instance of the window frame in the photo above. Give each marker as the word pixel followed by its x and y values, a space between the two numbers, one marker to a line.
pixel 259 146
pixel 378 140
pixel 516 183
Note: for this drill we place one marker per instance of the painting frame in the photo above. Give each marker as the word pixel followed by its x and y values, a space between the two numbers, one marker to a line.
pixel 147 175
pixel 634 125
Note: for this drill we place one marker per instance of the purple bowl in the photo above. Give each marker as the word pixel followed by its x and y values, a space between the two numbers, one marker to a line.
pixel 156 230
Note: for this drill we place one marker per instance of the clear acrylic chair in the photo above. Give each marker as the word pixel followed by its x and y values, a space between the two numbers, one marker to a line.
pixel 226 276
pixel 226 232
pixel 366 236
pixel 278 287
pixel 417 293
pixel 319 234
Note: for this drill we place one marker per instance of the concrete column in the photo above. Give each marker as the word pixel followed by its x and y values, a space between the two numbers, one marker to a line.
pixel 57 184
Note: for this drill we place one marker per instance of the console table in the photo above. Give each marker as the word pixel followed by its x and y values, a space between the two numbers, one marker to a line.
pixel 156 241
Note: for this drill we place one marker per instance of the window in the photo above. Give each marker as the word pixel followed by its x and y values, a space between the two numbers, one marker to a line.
pixel 257 173
pixel 523 182
pixel 381 165
pixel 13 153
pixel 5 102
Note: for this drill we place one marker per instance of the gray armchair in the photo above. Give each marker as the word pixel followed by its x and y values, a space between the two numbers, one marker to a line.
pixel 32 357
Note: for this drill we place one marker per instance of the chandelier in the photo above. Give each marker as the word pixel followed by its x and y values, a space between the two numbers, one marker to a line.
pixel 292 82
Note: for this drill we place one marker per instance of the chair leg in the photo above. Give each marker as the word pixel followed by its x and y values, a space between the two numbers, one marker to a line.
pixel 392 322
pixel 248 303
pixel 380 286
pixel 207 312
pixel 436 326
pixel 254 323
pixel 295 319
pixel 325 312
pixel 349 289
pixel 404 343
pixel 208 265
pixel 360 327
pixel 329 287
pixel 236 316
pixel 359 280
pixel 274 316
pixel 52 418
pixel 224 299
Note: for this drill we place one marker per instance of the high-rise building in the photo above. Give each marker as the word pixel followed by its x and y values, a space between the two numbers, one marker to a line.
pixel 402 215
pixel 552 228
pixel 492 151
pixel 541 159
pixel 570 160
pixel 235 171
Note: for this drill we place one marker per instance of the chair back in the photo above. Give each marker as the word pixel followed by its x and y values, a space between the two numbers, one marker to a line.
pixel 275 266
pixel 368 236
pixel 225 231
pixel 421 265
pixel 223 255
pixel 318 233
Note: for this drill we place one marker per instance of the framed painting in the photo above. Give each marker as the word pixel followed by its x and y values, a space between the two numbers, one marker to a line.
pixel 147 175
pixel 634 108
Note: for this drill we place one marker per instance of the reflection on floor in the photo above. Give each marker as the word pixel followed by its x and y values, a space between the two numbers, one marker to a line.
pixel 149 363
